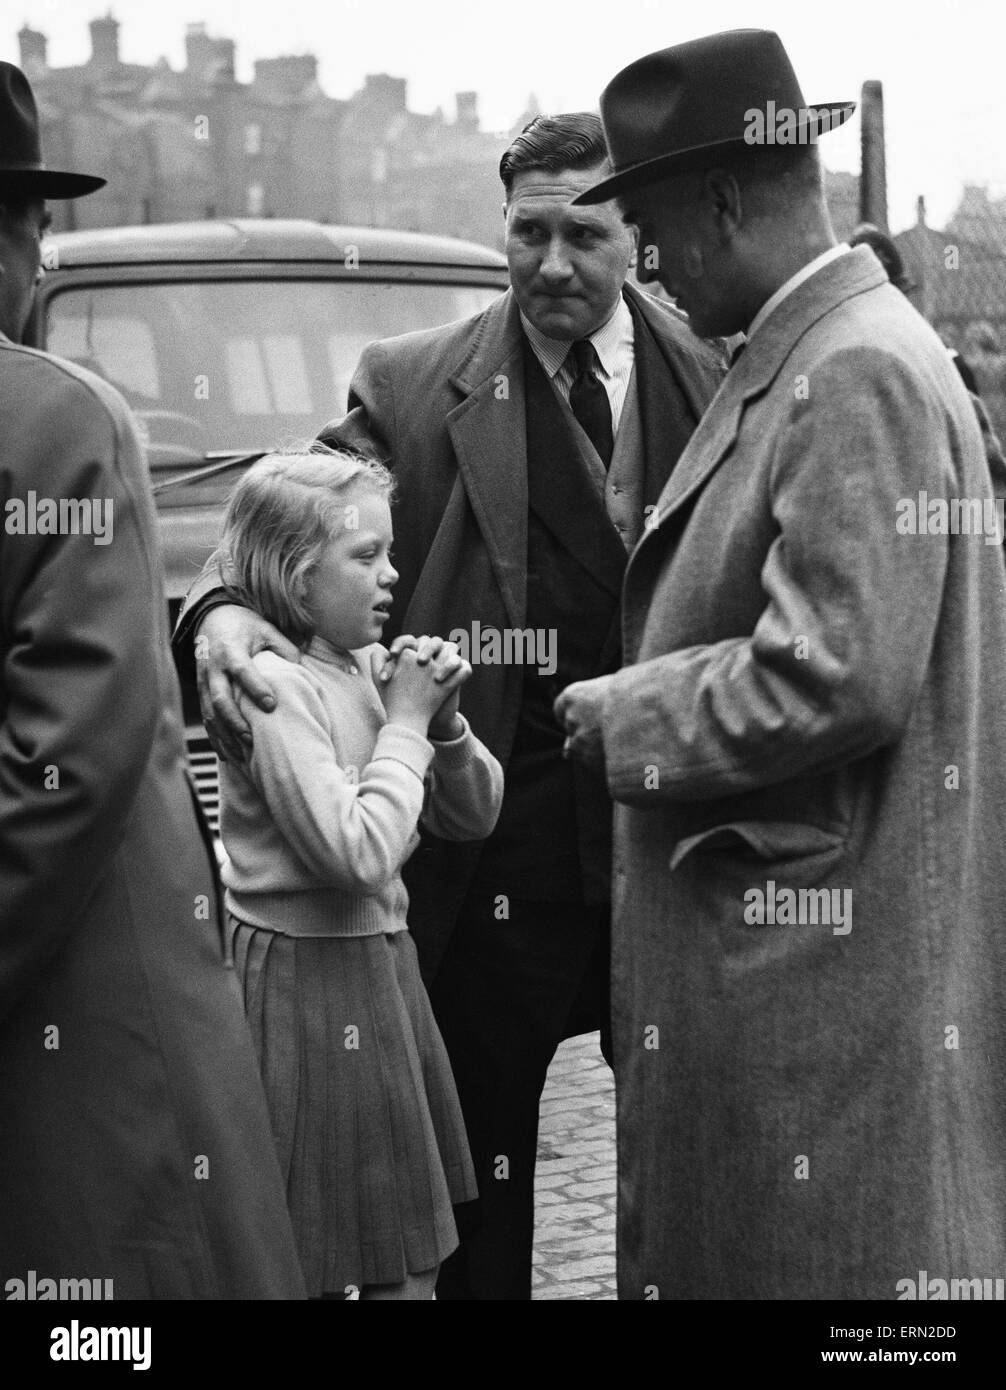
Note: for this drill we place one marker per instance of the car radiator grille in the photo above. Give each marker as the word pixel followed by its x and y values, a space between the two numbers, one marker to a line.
pixel 206 775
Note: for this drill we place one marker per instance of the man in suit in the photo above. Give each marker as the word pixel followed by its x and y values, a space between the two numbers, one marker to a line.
pixel 135 1145
pixel 805 746
pixel 528 444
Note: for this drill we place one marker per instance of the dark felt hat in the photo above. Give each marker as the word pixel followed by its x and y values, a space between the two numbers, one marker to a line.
pixel 21 167
pixel 725 91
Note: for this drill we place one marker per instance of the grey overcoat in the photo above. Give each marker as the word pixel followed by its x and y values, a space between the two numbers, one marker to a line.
pixel 815 699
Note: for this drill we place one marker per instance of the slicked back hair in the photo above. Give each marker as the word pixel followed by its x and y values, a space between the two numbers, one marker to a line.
pixel 574 140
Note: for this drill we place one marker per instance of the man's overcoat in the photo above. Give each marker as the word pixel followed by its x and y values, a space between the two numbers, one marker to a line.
pixel 135 1145
pixel 811 1102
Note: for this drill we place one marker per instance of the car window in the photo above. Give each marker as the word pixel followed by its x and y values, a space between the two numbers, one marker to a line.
pixel 210 366
pixel 116 346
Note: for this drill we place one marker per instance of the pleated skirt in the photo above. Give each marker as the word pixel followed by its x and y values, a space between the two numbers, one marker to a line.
pixel 369 1131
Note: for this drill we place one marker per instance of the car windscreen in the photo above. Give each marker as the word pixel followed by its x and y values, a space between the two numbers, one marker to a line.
pixel 211 366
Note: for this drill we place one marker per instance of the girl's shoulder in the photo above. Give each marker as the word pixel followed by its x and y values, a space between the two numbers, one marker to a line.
pixel 276 668
pixel 291 681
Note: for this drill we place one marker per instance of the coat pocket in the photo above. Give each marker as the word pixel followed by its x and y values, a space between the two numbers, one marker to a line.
pixel 803 854
pixel 757 893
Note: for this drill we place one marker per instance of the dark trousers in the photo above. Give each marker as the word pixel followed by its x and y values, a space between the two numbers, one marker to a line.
pixel 507 993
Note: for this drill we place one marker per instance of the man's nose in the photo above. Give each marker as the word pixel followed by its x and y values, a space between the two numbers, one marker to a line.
pixel 556 264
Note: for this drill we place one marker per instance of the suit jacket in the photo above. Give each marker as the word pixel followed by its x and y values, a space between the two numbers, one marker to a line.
pixel 135 1144
pixel 446 407
pixel 813 701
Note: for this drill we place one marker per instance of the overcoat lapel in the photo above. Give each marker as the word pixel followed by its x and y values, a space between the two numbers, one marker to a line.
pixel 488 433
pixel 687 369
pixel 666 411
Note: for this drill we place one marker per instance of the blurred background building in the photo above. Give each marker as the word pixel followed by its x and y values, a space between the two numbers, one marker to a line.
pixel 197 143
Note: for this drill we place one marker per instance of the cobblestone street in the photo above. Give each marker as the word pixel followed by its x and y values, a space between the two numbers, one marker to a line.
pixel 574 1254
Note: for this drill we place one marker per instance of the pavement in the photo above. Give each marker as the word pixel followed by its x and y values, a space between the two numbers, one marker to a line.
pixel 574 1242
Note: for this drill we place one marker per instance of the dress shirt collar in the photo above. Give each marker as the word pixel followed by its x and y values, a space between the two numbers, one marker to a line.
pixel 609 341
pixel 794 282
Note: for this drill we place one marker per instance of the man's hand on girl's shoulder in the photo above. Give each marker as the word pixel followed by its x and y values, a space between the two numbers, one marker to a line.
pixel 226 641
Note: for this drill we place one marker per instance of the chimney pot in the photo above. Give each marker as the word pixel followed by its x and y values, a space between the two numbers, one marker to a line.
pixel 33 45
pixel 104 43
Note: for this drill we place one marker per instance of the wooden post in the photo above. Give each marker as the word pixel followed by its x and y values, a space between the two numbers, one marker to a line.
pixel 873 176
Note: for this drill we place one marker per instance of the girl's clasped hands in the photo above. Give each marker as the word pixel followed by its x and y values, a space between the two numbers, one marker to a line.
pixel 420 683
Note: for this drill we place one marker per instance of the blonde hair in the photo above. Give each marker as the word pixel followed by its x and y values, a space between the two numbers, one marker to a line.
pixel 279 519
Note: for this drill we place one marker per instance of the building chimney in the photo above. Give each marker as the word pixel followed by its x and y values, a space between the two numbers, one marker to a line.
pixel 873 176
pixel 920 211
pixel 379 89
pixel 104 43
pixel 468 109
pixel 289 75
pixel 33 51
pixel 208 58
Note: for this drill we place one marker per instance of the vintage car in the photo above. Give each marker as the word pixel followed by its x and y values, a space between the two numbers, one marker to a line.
pixel 229 338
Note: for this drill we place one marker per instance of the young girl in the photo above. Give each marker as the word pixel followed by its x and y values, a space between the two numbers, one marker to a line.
pixel 317 824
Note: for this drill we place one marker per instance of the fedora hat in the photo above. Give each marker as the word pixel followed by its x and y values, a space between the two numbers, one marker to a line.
pixel 21 166
pixel 720 92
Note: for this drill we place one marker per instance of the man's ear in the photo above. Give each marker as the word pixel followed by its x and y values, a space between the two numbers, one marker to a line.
pixel 634 257
pixel 723 202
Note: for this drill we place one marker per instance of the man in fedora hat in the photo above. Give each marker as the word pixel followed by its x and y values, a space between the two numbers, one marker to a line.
pixel 135 1147
pixel 805 745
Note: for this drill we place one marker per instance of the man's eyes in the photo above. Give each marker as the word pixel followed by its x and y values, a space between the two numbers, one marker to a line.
pixel 531 231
